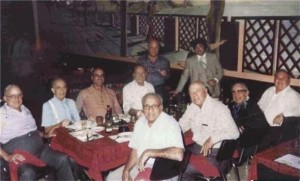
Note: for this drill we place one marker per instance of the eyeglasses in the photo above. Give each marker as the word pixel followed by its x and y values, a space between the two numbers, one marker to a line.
pixel 153 107
pixel 17 96
pixel 238 91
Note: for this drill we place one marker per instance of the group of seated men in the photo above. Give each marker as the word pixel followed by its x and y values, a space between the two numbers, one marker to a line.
pixel 156 134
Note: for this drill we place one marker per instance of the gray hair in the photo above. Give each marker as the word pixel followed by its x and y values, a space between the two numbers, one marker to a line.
pixel 199 82
pixel 156 96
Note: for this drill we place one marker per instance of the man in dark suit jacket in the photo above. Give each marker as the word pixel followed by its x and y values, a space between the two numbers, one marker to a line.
pixel 203 66
pixel 248 117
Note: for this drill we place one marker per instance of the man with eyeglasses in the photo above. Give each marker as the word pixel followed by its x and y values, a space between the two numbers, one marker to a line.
pixel 280 103
pixel 249 118
pixel 135 90
pixel 93 100
pixel 211 123
pixel 155 135
pixel 18 130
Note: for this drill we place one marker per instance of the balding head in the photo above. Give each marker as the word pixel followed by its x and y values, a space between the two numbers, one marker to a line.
pixel 13 96
pixel 198 93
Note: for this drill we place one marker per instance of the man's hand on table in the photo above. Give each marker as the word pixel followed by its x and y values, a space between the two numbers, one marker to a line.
pixel 206 148
pixel 126 176
pixel 65 122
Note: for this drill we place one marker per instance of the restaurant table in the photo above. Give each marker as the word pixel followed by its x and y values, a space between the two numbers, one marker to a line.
pixel 267 158
pixel 97 155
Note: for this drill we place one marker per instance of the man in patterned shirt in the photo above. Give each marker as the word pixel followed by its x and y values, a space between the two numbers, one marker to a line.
pixel 158 67
pixel 210 122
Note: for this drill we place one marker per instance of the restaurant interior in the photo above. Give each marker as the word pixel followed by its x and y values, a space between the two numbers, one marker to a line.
pixel 41 40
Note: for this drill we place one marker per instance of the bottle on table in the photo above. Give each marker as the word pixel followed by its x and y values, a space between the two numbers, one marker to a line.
pixel 108 119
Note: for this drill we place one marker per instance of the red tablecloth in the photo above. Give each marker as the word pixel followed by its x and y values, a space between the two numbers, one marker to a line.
pixel 268 156
pixel 97 155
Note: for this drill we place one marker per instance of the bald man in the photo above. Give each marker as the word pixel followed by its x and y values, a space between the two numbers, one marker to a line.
pixel 59 110
pixel 158 67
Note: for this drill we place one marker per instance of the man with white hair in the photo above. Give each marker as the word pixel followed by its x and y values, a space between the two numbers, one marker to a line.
pixel 211 123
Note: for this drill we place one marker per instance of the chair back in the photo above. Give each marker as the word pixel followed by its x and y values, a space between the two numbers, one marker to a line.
pixel 164 168
pixel 226 150
pixel 184 162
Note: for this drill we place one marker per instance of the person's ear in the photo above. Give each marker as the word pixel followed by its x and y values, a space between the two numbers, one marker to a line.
pixel 52 90
pixel 4 98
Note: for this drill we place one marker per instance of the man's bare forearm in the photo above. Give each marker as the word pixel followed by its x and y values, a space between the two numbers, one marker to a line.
pixel 172 153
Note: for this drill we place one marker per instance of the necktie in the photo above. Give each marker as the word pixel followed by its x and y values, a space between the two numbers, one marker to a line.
pixel 236 109
pixel 201 62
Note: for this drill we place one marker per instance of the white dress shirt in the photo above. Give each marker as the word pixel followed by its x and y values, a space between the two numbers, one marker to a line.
pixel 133 94
pixel 286 101
pixel 164 133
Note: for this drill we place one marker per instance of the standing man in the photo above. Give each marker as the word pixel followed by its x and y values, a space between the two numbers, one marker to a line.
pixel 135 90
pixel 278 103
pixel 210 122
pixel 158 67
pixel 155 135
pixel 58 111
pixel 202 66
pixel 94 99
pixel 18 130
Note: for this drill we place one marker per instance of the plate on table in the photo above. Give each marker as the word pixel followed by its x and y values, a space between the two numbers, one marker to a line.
pixel 84 134
pixel 97 128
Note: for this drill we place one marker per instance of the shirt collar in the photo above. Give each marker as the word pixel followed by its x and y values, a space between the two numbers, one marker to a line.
pixel 8 108
pixel 135 82
pixel 203 56
pixel 56 99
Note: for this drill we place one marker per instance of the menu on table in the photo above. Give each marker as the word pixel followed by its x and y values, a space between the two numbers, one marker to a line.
pixel 290 160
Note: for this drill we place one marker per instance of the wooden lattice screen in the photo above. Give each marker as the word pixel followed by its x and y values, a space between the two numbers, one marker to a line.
pixel 143 24
pixel 259 45
pixel 158 23
pixel 117 20
pixel 129 20
pixel 289 46
pixel 189 30
pixel 260 53
pixel 202 30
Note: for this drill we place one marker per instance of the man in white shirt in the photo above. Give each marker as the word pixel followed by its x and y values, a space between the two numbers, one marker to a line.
pixel 277 103
pixel 58 111
pixel 135 90
pixel 211 123
pixel 280 100
pixel 156 135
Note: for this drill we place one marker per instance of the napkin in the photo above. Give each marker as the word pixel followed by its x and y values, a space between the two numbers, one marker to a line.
pixel 122 137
